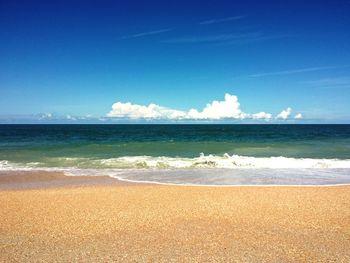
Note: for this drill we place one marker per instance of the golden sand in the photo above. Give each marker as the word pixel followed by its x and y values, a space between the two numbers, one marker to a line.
pixel 151 223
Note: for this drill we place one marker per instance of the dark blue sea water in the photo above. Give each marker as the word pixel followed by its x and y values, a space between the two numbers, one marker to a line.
pixel 184 154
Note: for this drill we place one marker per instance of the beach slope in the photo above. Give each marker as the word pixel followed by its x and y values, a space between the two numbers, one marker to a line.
pixel 92 219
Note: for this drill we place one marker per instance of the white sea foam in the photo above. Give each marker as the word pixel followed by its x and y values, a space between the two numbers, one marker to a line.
pixel 205 170
pixel 6 165
pixel 225 161
pixel 223 177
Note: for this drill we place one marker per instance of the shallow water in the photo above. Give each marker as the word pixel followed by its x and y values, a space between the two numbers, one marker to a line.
pixel 184 154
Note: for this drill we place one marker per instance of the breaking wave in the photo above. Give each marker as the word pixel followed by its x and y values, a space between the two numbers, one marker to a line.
pixel 203 170
pixel 225 161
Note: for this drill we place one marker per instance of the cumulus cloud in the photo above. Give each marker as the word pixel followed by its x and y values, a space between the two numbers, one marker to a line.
pixel 45 116
pixel 226 109
pixel 283 115
pixel 229 108
pixel 262 116
pixel 298 116
pixel 70 117
pixel 152 111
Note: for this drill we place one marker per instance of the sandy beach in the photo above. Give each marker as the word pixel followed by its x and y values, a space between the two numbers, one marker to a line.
pixel 48 217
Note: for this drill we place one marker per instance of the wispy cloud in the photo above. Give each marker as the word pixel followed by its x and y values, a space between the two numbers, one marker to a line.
pixel 204 39
pixel 48 118
pixel 223 39
pixel 253 38
pixel 333 82
pixel 289 72
pixel 221 20
pixel 148 33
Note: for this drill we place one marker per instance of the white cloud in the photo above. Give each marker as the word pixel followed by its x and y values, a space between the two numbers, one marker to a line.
pixel 298 116
pixel 284 114
pixel 135 111
pixel 70 117
pixel 262 116
pixel 45 116
pixel 229 108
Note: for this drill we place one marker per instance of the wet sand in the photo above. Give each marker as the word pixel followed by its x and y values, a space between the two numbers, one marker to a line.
pixel 47 217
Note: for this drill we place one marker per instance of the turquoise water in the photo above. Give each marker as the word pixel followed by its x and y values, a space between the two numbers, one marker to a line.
pixel 240 152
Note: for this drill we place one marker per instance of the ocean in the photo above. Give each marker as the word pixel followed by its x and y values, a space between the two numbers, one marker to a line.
pixel 184 154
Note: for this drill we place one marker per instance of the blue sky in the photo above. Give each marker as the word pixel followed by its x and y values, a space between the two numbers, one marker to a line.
pixel 70 61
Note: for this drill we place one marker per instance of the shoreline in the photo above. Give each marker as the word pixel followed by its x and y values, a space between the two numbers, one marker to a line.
pixel 94 218
pixel 38 178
